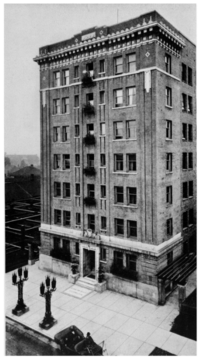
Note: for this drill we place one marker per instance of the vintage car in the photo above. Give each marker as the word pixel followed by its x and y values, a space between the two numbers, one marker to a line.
pixel 72 342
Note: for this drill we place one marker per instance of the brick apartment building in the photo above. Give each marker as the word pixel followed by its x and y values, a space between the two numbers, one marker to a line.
pixel 118 152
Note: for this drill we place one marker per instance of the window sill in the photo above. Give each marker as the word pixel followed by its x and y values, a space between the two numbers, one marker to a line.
pixel 168 106
pixel 125 106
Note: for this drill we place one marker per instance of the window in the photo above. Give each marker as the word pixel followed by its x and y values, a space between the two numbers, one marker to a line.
pixel 190 82
pixel 185 219
pixel 103 191
pixel 91 221
pixel 169 226
pixel 184 73
pixel 131 162
pixel 169 258
pixel 118 130
pixel 91 190
pixel 131 63
pixel 65 133
pixel 103 252
pixel 118 259
pixel 102 129
pixel 190 162
pixel 56 106
pixel 102 97
pixel 132 195
pixel 103 160
pixel 132 228
pixel 77 248
pixel 77 131
pixel 103 223
pixel 169 195
pixel 191 220
pixel 57 189
pixel 65 78
pixel 77 160
pixel 190 188
pixel 66 218
pixel 130 129
pixel 131 96
pixel 118 65
pixel 90 98
pixel 55 134
pixel 184 131
pixel 56 161
pixel 119 226
pixel 185 190
pixel 102 66
pixel 66 161
pixel 118 162
pixel 184 160
pixel 56 242
pixel 168 129
pixel 168 60
pixel 66 190
pixel 76 72
pixel 168 93
pixel 76 101
pixel 65 105
pixel 184 102
pixel 119 194
pixel 56 79
pixel 78 221
pixel 57 216
pixel 118 98
pixel 189 104
pixel 131 260
pixel 90 160
pixel 90 129
pixel 169 162
pixel 190 133
pixel 77 189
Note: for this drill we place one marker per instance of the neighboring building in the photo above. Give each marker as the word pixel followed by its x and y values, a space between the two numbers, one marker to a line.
pixel 118 151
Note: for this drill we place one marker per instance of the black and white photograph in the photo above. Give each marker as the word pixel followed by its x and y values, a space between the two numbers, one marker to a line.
pixel 100 183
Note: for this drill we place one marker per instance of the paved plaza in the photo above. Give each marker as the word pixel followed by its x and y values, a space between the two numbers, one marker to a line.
pixel 128 326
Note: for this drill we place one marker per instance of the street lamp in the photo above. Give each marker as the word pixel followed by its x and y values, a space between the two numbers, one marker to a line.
pixel 48 320
pixel 20 308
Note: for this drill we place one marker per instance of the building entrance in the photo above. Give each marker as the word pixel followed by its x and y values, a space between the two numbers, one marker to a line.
pixel 88 263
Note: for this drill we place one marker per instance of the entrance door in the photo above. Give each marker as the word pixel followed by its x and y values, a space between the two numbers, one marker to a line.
pixel 88 263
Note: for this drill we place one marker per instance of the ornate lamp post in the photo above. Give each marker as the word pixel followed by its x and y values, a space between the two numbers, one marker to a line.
pixel 48 320
pixel 20 308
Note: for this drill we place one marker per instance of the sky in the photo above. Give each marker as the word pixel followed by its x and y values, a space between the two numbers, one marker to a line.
pixel 30 26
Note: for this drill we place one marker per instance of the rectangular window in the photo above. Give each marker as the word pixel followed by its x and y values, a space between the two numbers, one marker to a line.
pixel 65 77
pixel 91 222
pixel 184 160
pixel 102 97
pixel 66 190
pixel 118 162
pixel 169 195
pixel 132 195
pixel 65 105
pixel 118 259
pixel 191 220
pixel 56 106
pixel 91 190
pixel 103 223
pixel 90 129
pixel 132 228
pixel 118 98
pixel 66 218
pixel 131 129
pixel 131 63
pixel 190 161
pixel 168 60
pixel 103 251
pixel 76 72
pixel 190 133
pixel 131 162
pixel 131 261
pixel 168 93
pixel 168 129
pixel 76 130
pixel 76 101
pixel 56 79
pixel 119 194
pixel 78 220
pixel 169 162
pixel 102 66
pixel 66 161
pixel 77 248
pixel 57 216
pixel 185 219
pixel 65 133
pixel 131 96
pixel 184 131
pixel 103 160
pixel 185 190
pixel 56 161
pixel 190 188
pixel 103 191
pixel 118 130
pixel 57 189
pixel 189 104
pixel 184 73
pixel 102 129
pixel 90 160
pixel 118 65
pixel 184 102
pixel 190 82
pixel 55 134
pixel 119 226
pixel 77 160
pixel 77 189
pixel 169 226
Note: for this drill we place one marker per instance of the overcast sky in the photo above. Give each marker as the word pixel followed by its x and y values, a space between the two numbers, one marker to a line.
pixel 28 27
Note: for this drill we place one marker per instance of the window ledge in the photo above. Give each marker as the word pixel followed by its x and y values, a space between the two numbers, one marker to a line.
pixel 169 106
pixel 125 106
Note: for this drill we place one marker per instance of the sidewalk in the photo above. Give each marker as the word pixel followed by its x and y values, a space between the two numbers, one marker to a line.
pixel 129 326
